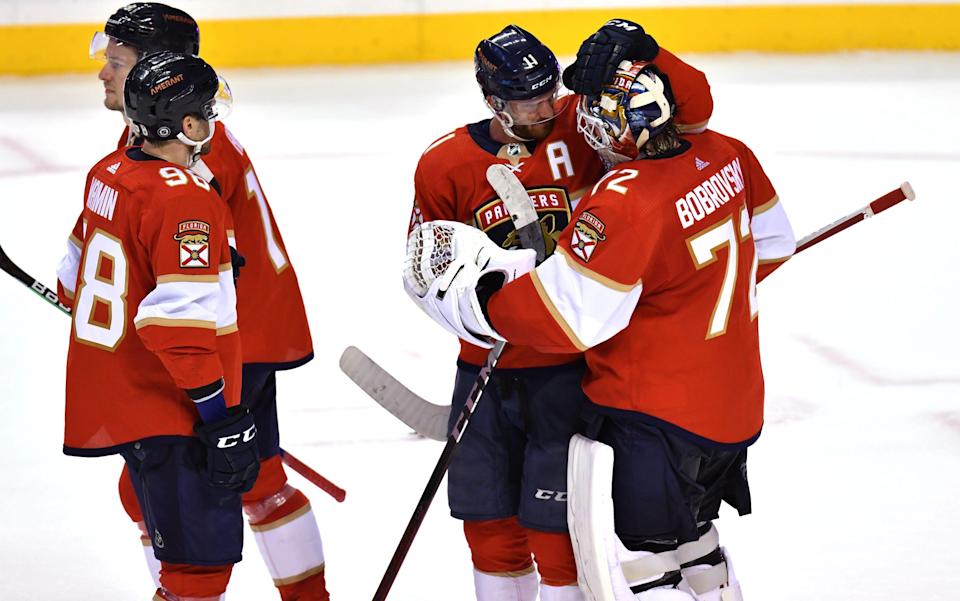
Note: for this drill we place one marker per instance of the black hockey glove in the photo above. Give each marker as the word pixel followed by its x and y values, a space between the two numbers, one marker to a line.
pixel 232 458
pixel 600 54
pixel 236 261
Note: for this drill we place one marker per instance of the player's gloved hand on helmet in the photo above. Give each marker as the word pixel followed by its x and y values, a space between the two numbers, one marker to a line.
pixel 600 54
pixel 233 460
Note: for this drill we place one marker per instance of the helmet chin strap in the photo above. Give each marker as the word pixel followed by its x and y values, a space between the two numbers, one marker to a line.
pixel 197 144
pixel 506 122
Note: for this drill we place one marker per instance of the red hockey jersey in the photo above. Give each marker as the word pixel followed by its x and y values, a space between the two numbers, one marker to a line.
pixel 450 183
pixel 656 281
pixel 272 318
pixel 150 283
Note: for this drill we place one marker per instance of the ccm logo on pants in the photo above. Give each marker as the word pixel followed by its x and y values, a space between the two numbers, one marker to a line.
pixel 233 440
pixel 546 495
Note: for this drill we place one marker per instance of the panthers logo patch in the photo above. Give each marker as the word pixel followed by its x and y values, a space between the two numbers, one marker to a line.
pixel 553 210
pixel 194 239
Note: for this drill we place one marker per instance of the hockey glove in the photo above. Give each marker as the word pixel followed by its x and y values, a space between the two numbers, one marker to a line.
pixel 236 262
pixel 232 457
pixel 600 54
pixel 445 271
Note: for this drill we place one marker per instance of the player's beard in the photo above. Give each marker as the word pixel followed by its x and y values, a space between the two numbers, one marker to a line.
pixel 538 131
pixel 205 149
pixel 113 102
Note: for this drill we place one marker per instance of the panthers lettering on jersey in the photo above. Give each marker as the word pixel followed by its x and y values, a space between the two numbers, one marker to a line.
pixel 656 281
pixel 272 317
pixel 148 276
pixel 450 182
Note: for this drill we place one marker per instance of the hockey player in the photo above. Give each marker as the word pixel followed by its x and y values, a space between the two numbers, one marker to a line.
pixel 272 318
pixel 153 369
pixel 654 280
pixel 507 481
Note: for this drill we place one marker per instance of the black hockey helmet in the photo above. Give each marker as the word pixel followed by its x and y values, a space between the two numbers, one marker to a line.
pixel 149 27
pixel 164 87
pixel 514 65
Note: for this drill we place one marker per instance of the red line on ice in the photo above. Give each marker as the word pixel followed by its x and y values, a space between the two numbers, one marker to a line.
pixel 863 372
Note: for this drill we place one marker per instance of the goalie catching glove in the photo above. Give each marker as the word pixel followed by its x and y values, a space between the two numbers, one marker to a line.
pixel 452 269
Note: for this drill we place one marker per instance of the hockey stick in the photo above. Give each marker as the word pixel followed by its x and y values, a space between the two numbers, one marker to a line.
pixel 429 420
pixel 517 202
pixel 904 192
pixel 42 291
pixel 319 481
pixel 424 417
pixel 7 265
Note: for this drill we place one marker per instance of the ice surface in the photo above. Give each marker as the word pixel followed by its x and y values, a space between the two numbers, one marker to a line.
pixel 855 480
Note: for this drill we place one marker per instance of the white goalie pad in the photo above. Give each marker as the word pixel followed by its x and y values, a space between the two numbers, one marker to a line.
pixel 445 261
pixel 590 521
pixel 605 568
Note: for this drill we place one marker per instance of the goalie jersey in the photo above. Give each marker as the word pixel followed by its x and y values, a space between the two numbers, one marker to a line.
pixel 450 182
pixel 655 279
pixel 149 279
pixel 272 318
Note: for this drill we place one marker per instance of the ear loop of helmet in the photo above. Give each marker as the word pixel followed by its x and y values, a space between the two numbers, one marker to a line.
pixel 197 145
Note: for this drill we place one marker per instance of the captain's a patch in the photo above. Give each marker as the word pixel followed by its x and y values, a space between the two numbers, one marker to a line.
pixel 587 234
pixel 194 239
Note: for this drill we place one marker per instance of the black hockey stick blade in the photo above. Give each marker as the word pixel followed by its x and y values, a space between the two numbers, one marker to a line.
pixel 7 265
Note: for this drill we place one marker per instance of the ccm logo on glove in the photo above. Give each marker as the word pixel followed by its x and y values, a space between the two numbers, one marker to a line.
pixel 247 435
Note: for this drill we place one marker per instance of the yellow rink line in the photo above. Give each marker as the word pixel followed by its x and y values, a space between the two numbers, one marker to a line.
pixel 345 40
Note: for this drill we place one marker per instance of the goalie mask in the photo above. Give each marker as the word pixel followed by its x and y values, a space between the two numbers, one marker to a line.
pixel 636 106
